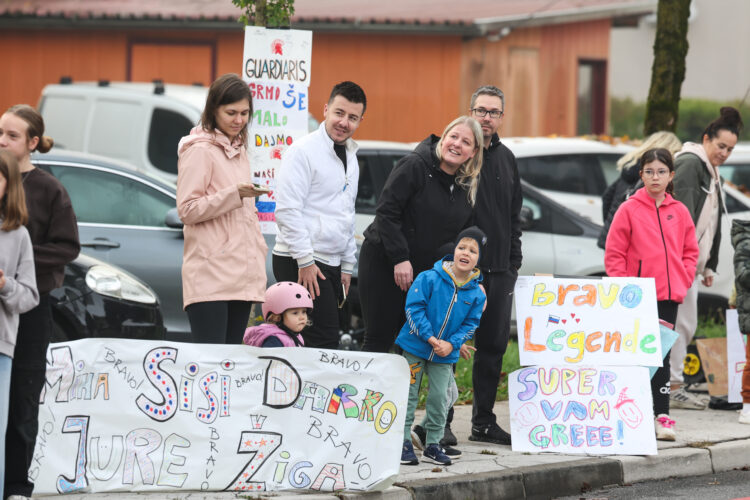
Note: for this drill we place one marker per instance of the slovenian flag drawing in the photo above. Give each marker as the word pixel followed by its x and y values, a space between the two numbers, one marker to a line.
pixel 553 319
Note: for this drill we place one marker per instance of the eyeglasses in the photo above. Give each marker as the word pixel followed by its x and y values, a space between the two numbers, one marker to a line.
pixel 656 173
pixel 481 112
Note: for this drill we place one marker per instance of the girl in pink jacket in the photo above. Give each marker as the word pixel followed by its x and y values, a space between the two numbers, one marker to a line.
pixel 285 310
pixel 224 261
pixel 652 235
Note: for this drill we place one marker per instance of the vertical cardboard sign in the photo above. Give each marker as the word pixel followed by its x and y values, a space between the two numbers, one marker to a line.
pixel 277 67
pixel 735 356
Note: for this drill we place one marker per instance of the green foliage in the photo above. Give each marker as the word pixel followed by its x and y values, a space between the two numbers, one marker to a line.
pixel 711 326
pixel 694 115
pixel 265 12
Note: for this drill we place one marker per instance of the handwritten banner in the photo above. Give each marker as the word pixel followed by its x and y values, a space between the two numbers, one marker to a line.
pixel 126 415
pixel 607 321
pixel 276 65
pixel 735 356
pixel 592 410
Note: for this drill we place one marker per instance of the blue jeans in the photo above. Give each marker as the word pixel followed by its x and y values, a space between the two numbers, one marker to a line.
pixel 5 366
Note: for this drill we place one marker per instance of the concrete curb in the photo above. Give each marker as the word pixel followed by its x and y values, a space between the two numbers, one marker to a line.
pixel 674 462
pixel 535 481
pixel 730 455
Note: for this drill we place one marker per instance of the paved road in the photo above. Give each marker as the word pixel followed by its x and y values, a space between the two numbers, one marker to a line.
pixel 730 485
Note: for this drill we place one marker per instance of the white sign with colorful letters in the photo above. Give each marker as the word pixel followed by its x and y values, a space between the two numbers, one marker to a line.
pixel 606 321
pixel 126 415
pixel 276 65
pixel 593 410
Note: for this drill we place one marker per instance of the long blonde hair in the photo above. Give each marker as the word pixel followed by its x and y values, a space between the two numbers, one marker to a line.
pixel 661 139
pixel 467 175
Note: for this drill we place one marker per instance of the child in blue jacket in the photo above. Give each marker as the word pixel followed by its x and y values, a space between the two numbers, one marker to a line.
pixel 443 308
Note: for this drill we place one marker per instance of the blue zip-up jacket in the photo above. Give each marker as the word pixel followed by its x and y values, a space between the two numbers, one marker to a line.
pixel 436 306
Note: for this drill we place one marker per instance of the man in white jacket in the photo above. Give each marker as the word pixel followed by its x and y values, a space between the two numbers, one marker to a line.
pixel 316 188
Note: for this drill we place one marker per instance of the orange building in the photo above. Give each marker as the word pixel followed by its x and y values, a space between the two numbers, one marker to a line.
pixel 418 60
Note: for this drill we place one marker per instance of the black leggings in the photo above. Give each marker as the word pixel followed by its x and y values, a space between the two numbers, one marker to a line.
pixel 382 300
pixel 324 331
pixel 660 381
pixel 219 322
pixel 26 382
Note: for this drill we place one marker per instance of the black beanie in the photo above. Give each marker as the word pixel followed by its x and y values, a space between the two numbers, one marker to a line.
pixel 475 234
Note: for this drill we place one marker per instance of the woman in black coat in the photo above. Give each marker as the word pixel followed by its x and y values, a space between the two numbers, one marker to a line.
pixel 427 200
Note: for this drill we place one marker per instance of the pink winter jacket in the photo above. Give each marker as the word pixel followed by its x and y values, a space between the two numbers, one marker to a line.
pixel 649 242
pixel 225 253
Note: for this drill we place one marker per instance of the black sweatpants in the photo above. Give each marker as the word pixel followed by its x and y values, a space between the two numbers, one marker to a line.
pixel 26 382
pixel 667 311
pixel 219 321
pixel 491 340
pixel 381 299
pixel 324 331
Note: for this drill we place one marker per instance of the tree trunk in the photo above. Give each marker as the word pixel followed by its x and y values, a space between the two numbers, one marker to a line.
pixel 668 71
pixel 260 12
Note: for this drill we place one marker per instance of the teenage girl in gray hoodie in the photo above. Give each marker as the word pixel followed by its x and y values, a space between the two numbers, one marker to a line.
pixel 18 292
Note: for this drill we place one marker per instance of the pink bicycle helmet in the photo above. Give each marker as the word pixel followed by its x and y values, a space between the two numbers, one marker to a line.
pixel 285 295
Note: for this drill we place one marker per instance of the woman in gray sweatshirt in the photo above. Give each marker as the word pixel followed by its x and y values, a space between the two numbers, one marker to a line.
pixel 18 292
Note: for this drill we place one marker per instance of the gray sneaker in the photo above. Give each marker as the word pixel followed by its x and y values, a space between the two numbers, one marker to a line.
pixel 680 398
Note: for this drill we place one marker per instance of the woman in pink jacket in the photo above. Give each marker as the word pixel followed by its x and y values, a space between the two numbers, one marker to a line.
pixel 223 265
pixel 652 235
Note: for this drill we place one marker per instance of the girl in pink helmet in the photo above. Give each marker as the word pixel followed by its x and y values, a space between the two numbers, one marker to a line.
pixel 285 310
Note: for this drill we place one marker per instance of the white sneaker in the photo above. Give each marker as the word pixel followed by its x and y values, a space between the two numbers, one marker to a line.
pixel 680 398
pixel 17 497
pixel 744 417
pixel 664 428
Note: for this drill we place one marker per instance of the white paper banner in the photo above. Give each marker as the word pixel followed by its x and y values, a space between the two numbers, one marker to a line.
pixel 125 415
pixel 735 356
pixel 276 65
pixel 592 410
pixel 607 321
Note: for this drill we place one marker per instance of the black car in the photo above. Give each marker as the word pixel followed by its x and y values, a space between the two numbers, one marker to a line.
pixel 100 300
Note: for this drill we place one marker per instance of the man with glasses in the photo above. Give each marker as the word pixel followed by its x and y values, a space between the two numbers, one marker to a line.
pixel 497 213
pixel 316 188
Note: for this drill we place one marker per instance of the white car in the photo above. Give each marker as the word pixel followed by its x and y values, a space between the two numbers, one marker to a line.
pixel 574 172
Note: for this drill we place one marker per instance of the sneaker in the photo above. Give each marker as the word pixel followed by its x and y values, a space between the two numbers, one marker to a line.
pixel 452 452
pixel 449 439
pixel 744 417
pixel 408 457
pixel 17 497
pixel 489 434
pixel 434 454
pixel 664 428
pixel 418 436
pixel 680 398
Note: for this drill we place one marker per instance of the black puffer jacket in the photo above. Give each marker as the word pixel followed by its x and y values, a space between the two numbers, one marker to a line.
pixel 420 210
pixel 498 209
pixel 616 193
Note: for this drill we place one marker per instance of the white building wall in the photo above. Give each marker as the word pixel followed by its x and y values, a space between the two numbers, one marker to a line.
pixel 718 60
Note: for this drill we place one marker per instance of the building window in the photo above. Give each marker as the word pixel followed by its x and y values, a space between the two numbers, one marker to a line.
pixel 592 89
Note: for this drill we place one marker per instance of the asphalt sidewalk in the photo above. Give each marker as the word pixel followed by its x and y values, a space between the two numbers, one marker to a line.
pixel 708 441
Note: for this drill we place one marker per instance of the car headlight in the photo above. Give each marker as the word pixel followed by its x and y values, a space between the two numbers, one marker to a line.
pixel 109 281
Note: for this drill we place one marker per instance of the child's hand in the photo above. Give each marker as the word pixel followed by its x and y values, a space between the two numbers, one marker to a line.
pixel 2 279
pixel 443 348
pixel 466 350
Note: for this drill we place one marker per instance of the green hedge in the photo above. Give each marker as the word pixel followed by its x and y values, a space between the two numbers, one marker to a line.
pixel 626 117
